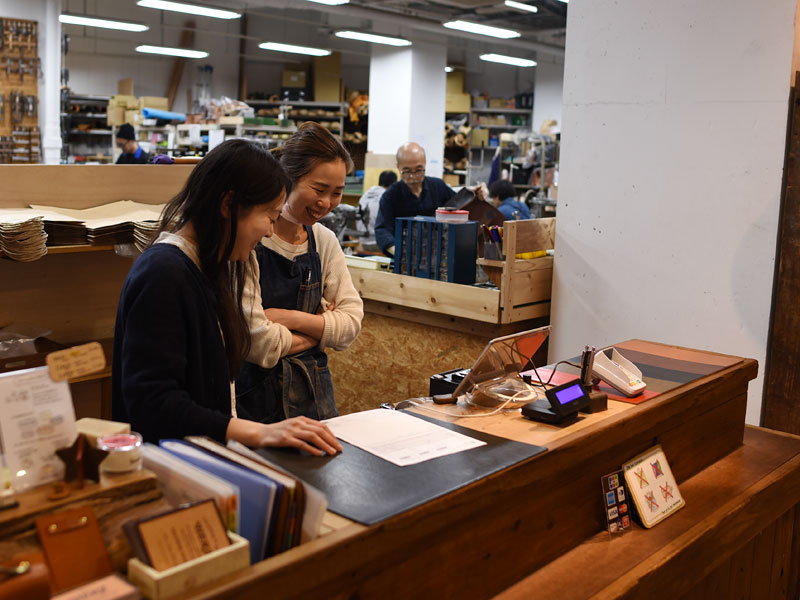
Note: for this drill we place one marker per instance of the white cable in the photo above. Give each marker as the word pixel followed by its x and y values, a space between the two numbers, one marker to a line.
pixel 463 416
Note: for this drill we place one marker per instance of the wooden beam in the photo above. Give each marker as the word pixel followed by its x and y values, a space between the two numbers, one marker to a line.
pixel 187 41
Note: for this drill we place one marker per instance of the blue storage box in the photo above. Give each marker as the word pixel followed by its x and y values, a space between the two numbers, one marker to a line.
pixel 425 247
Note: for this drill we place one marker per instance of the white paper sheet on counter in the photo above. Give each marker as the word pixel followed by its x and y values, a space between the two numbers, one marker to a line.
pixel 399 438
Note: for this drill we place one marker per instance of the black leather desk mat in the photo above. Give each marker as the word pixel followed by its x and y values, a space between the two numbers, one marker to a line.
pixel 367 489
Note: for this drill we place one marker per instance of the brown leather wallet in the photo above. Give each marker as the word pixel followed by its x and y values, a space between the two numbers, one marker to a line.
pixel 74 548
pixel 33 584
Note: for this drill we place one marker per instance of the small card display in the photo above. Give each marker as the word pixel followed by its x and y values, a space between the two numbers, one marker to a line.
pixel 615 498
pixel 652 486
pixel 178 536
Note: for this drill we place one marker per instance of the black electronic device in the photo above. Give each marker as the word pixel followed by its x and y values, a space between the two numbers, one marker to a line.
pixel 447 382
pixel 562 404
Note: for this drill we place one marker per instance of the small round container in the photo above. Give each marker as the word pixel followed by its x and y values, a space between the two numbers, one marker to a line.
pixel 124 452
pixel 452 216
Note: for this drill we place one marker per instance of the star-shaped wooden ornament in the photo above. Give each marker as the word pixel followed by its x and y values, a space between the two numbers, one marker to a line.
pixel 81 461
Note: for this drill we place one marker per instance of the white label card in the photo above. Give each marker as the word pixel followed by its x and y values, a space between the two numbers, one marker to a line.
pixel 36 419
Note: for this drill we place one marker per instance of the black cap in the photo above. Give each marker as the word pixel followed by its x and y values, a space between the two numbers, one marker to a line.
pixel 126 132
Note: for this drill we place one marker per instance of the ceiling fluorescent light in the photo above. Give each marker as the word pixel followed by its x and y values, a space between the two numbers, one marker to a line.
pixel 191 9
pixel 521 6
pixel 330 2
pixel 448 69
pixel 482 29
pixel 276 47
pixel 373 38
pixel 104 23
pixel 508 60
pixel 182 52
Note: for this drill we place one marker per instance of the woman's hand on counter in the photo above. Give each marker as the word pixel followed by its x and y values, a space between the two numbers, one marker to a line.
pixel 298 432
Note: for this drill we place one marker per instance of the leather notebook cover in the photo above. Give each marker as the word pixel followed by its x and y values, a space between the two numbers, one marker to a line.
pixel 367 489
pixel 74 547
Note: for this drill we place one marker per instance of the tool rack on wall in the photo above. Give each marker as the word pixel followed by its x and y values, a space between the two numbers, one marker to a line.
pixel 19 91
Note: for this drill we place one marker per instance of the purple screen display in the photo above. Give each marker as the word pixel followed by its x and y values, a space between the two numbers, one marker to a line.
pixel 571 393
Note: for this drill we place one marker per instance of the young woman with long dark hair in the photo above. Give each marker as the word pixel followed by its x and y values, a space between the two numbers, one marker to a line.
pixel 305 287
pixel 181 332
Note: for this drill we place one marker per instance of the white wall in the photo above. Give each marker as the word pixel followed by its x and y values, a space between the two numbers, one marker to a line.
pixel 389 99
pixel 674 133
pixel 548 90
pixel 45 12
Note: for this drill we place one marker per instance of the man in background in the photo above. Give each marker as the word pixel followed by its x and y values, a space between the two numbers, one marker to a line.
pixel 132 154
pixel 369 205
pixel 415 194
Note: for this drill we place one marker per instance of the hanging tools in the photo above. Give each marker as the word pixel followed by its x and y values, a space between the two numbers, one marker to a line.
pixel 2 109
pixel 17 101
pixel 31 103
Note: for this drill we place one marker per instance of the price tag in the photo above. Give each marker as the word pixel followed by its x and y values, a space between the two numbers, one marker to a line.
pixel 77 361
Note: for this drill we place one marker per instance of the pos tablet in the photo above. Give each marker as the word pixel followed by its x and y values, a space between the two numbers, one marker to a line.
pixel 563 403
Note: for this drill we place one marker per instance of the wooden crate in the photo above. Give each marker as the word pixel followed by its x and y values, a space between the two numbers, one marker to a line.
pixel 524 284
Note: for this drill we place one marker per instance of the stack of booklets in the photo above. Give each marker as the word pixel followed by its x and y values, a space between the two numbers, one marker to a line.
pixel 22 235
pixel 273 510
pixel 121 222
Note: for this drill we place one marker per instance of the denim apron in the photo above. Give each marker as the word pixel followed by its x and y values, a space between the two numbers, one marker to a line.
pixel 299 384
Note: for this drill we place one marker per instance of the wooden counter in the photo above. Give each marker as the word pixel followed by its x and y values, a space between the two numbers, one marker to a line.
pixel 486 537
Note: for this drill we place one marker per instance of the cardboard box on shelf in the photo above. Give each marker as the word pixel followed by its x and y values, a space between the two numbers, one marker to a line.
pixel 156 102
pixel 455 82
pixel 451 179
pixel 134 117
pixel 328 78
pixel 479 137
pixel 125 87
pixel 115 115
pixel 293 79
pixel 457 102
pixel 123 100
pixel 500 103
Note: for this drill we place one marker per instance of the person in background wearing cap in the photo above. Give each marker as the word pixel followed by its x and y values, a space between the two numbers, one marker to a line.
pixel 132 154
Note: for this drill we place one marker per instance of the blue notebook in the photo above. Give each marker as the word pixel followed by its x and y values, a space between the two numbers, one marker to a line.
pixel 257 492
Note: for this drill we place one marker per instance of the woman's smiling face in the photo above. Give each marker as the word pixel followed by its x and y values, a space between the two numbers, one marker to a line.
pixel 318 192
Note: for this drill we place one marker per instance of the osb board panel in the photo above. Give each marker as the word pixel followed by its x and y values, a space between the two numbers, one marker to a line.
pixel 86 186
pixel 392 360
pixel 74 295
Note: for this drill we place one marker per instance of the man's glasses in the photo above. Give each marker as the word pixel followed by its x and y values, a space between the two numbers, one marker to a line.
pixel 419 172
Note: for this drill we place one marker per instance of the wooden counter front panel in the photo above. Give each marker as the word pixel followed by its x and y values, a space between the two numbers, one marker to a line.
pixel 481 539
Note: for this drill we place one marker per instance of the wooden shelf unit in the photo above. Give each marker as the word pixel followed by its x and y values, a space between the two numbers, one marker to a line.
pixel 523 285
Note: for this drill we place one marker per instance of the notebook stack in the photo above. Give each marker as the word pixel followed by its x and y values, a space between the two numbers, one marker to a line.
pixel 22 235
pixel 274 511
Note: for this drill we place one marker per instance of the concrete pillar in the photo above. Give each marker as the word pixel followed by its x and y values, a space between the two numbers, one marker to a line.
pixel 406 103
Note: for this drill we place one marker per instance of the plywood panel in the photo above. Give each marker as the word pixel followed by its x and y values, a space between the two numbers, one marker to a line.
pixel 85 186
pixel 392 360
